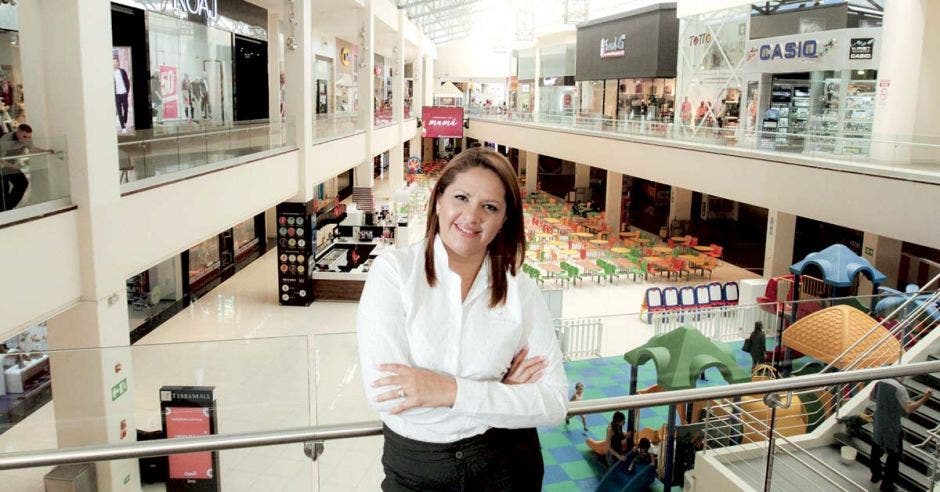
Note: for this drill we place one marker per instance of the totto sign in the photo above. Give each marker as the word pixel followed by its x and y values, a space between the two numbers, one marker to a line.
pixel 207 8
pixel 789 50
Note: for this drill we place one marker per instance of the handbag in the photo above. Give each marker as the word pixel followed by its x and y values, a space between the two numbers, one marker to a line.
pixel 747 345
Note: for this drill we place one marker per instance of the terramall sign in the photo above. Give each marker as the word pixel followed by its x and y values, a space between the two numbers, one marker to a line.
pixel 614 47
pixel 441 121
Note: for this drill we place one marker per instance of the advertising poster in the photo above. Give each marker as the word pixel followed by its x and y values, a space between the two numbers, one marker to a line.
pixel 189 422
pixel 123 90
pixel 441 121
pixel 169 91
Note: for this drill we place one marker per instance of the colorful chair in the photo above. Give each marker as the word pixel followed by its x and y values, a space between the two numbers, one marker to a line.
pixel 731 293
pixel 716 294
pixel 652 303
pixel 671 299
pixel 702 297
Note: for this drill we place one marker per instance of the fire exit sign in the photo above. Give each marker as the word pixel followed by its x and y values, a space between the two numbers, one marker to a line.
pixel 119 389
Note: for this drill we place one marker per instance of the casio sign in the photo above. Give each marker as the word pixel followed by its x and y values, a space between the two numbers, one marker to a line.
pixel 613 47
pixel 790 50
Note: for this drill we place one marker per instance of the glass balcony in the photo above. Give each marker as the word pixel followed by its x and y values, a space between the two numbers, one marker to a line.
pixel 33 176
pixel 915 157
pixel 336 125
pixel 157 153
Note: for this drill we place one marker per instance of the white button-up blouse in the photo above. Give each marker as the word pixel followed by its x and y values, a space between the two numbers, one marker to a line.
pixel 402 320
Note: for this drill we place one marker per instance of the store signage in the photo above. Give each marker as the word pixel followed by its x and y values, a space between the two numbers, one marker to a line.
pixel 441 121
pixel 861 48
pixel 698 39
pixel 613 47
pixel 549 81
pixel 345 56
pixel 206 8
pixel 190 411
pixel 789 50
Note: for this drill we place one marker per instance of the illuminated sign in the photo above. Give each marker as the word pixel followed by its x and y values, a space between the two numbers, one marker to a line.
pixel 614 47
pixel 861 48
pixel 207 8
pixel 789 50
pixel 345 56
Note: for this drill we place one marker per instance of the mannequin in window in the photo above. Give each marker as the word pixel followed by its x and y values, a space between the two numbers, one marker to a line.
pixel 187 92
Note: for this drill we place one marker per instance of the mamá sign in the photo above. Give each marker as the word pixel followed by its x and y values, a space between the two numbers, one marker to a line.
pixel 207 8
pixel 440 121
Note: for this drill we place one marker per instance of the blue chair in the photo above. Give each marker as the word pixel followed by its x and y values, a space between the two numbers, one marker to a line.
pixel 617 479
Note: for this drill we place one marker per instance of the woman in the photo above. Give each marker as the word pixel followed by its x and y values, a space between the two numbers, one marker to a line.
pixel 617 442
pixel 457 351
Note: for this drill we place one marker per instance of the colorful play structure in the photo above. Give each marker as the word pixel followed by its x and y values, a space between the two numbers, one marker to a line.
pixel 690 297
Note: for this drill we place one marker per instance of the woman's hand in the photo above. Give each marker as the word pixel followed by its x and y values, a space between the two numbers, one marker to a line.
pixel 525 371
pixel 418 387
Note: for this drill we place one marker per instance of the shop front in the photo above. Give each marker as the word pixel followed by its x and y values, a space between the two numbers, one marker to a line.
pixel 12 103
pixel 181 67
pixel 620 77
pixel 557 89
pixel 805 78
pixel 525 82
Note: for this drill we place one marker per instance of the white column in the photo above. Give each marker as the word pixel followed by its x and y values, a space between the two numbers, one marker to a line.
pixel 364 175
pixel 429 85
pixel 531 171
pixel 778 250
pixel 536 90
pixel 71 91
pixel 884 253
pixel 298 68
pixel 582 175
pixel 365 64
pixel 274 66
pixel 612 201
pixel 899 75
pixel 680 205
pixel 396 155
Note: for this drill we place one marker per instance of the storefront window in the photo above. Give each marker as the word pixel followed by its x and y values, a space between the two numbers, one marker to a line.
pixel 592 98
pixel 153 291
pixel 383 93
pixel 323 73
pixel 347 82
pixel 13 107
pixel 245 237
pixel 204 262
pixel 647 99
pixel 191 67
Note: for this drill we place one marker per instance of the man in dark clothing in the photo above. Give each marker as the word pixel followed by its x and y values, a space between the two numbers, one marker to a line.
pixel 891 403
pixel 122 87
pixel 13 183
pixel 757 345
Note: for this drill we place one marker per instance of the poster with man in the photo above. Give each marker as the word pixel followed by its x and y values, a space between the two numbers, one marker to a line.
pixel 123 89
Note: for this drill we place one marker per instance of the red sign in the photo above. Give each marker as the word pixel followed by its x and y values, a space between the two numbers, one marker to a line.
pixel 440 121
pixel 169 91
pixel 189 422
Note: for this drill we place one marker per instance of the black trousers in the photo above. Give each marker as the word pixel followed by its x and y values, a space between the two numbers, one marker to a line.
pixel 13 184
pixel 890 474
pixel 497 460
pixel 120 100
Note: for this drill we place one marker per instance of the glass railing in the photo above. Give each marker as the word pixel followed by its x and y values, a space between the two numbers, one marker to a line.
pixel 335 125
pixel 913 155
pixel 257 385
pixel 383 118
pixel 266 391
pixel 167 150
pixel 33 174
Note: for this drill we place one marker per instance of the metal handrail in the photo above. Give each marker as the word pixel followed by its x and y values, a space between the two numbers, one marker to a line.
pixel 196 134
pixel 164 447
pixel 57 153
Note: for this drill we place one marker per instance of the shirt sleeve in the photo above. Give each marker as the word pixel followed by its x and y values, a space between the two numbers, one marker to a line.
pixel 380 328
pixel 513 406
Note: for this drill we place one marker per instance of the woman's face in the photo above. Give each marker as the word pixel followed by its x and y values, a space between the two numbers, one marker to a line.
pixel 470 212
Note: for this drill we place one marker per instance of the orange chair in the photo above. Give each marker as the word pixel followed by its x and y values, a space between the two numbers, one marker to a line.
pixel 716 251
pixel 677 266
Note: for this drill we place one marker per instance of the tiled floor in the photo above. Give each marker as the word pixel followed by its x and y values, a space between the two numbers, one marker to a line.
pixel 279 367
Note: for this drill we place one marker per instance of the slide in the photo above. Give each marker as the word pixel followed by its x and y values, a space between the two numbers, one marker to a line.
pixel 618 480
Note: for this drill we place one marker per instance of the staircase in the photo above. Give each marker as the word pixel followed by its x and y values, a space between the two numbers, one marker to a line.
pixel 915 462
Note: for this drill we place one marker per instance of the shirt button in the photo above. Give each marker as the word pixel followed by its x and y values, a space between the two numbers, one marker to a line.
pixel 459 455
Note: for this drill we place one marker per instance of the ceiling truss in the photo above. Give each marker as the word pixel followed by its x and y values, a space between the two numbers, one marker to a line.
pixel 441 20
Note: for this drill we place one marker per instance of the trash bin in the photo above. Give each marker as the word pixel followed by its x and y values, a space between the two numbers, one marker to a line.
pixel 71 478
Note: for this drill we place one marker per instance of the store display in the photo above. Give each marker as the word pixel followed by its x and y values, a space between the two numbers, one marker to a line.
pixel 190 411
pixel 296 238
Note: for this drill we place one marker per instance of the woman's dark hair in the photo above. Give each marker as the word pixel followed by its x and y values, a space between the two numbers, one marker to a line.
pixel 644 444
pixel 619 417
pixel 758 326
pixel 507 248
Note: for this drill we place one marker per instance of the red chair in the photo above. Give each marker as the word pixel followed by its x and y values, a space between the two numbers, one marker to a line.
pixel 583 254
pixel 716 251
pixel 677 266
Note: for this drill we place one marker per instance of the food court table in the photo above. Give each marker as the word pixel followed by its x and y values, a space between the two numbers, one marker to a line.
pixel 703 249
pixel 587 266
pixel 620 250
pixel 551 220
pixel 663 250
pixel 679 239
pixel 630 234
pixel 586 235
pixel 550 268
pixel 599 242
pixel 622 263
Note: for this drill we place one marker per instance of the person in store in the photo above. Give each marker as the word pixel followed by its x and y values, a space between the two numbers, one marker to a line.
pixel 457 349
pixel 122 88
pixel 187 91
pixel 577 396
pixel 685 111
pixel 13 183
pixel 891 404
pixel 756 345
pixel 354 258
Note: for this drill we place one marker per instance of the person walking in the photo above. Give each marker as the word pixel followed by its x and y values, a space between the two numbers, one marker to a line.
pixel 577 396
pixel 756 345
pixel 891 403
pixel 13 182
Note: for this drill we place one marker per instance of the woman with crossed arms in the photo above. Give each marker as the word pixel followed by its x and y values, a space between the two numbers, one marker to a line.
pixel 458 353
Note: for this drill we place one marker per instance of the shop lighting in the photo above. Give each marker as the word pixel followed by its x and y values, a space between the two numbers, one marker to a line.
pixel 11 2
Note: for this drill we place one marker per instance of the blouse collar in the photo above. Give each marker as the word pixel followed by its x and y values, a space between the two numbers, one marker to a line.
pixel 442 264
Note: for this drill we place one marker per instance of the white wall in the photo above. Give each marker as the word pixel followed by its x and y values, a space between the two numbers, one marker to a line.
pixel 153 225
pixel 337 156
pixel 386 12
pixel 41 270
pixel 470 58
pixel 685 8
pixel 889 207
pixel 384 139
